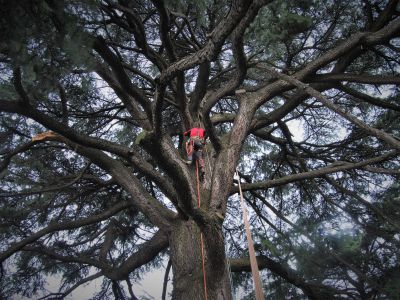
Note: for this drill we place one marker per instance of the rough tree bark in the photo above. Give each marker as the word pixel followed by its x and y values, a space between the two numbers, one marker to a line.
pixel 186 256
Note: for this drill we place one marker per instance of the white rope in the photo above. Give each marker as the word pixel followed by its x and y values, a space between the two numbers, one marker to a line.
pixel 253 260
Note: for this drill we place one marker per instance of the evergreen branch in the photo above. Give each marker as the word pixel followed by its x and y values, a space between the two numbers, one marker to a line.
pixel 312 290
pixel 53 227
pixel 119 72
pixel 48 190
pixel 381 135
pixel 339 166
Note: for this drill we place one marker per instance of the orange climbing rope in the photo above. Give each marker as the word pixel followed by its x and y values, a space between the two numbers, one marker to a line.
pixel 201 234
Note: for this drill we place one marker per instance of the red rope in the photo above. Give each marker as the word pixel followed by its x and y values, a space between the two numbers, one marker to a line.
pixel 201 234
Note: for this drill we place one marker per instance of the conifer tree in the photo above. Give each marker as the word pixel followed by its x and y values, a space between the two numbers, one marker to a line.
pixel 300 97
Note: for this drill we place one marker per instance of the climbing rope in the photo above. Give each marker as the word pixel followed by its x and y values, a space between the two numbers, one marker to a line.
pixel 253 261
pixel 201 234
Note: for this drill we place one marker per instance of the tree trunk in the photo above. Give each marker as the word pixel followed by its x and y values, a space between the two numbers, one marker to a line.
pixel 186 256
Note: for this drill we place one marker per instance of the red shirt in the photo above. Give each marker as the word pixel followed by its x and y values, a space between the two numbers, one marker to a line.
pixel 196 132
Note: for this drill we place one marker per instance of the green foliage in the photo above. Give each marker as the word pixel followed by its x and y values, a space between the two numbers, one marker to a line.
pixel 198 10
pixel 270 247
pixel 392 287
pixel 278 22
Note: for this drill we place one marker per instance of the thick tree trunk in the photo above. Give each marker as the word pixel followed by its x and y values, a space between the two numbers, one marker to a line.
pixel 185 253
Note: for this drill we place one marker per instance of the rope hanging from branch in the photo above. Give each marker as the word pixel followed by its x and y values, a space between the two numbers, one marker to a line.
pixel 253 261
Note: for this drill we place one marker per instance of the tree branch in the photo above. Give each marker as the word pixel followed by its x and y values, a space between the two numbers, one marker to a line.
pixel 53 227
pixel 313 291
pixel 79 283
pixel 17 81
pixel 156 212
pixel 50 189
pixel 241 70
pixel 381 135
pixel 366 98
pixel 367 79
pixel 214 44
pixel 118 69
pixel 129 101
pixel 145 254
pixel 7 159
pixel 60 128
pixel 164 290
pixel 85 140
pixel 333 168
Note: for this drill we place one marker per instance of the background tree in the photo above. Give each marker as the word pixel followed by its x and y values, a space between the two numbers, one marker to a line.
pixel 302 97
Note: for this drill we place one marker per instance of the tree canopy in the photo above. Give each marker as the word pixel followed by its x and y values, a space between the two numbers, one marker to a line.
pixel 300 97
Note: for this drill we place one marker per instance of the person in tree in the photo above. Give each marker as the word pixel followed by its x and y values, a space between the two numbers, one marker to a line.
pixel 194 147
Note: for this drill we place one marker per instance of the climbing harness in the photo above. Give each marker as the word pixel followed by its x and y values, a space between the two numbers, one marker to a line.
pixel 201 234
pixel 253 261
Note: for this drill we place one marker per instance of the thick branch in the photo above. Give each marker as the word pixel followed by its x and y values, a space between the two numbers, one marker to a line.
pixel 313 291
pixel 367 79
pixel 166 155
pixel 140 198
pixel 366 38
pixel 200 87
pixel 333 168
pixel 7 159
pixel 17 81
pixel 157 213
pixel 366 98
pixel 118 69
pixel 129 101
pixel 81 259
pixel 241 70
pixel 60 128
pixel 165 28
pixel 85 140
pixel 387 138
pixel 213 47
pixel 146 253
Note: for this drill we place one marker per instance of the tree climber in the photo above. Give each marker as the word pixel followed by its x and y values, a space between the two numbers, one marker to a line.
pixel 194 147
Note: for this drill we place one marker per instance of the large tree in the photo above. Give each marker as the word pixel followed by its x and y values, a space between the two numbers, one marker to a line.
pixel 301 97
